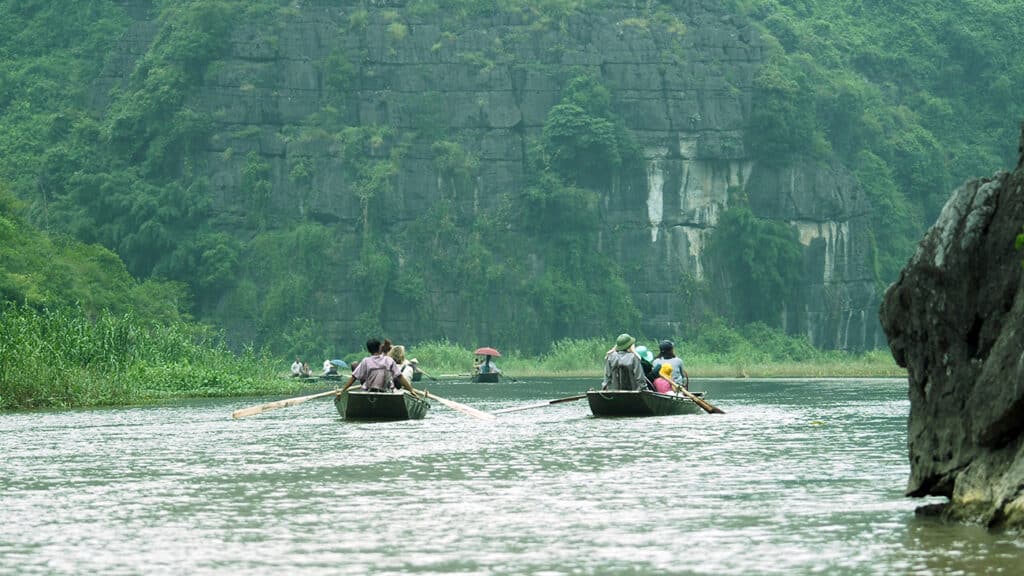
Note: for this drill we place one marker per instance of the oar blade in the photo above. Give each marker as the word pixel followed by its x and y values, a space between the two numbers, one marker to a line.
pixel 704 404
pixel 540 404
pixel 518 408
pixel 459 407
pixel 252 410
pixel 242 413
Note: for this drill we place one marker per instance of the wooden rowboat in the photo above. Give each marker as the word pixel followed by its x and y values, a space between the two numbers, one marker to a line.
pixel 490 377
pixel 639 403
pixel 365 405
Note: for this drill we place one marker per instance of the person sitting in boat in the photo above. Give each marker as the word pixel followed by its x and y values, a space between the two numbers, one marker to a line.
pixel 306 372
pixel 405 366
pixel 297 367
pixel 622 369
pixel 329 368
pixel 663 383
pixel 667 355
pixel 488 367
pixel 377 372
pixel 646 357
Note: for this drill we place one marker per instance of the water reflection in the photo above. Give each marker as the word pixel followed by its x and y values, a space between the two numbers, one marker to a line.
pixel 797 477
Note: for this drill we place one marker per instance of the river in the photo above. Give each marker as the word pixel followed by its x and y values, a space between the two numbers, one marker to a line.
pixel 798 477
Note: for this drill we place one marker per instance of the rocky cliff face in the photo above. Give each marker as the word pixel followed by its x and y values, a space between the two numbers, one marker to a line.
pixel 955 320
pixel 682 82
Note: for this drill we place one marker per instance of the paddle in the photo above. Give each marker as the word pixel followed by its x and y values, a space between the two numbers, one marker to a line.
pixel 540 405
pixel 707 406
pixel 424 373
pixel 459 407
pixel 242 413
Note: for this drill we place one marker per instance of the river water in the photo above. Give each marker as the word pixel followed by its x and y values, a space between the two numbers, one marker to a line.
pixel 798 477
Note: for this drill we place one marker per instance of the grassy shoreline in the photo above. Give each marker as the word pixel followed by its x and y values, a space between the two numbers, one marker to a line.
pixel 70 359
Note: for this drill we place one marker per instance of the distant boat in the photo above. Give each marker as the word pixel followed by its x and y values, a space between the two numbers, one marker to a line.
pixel 639 403
pixel 365 405
pixel 492 375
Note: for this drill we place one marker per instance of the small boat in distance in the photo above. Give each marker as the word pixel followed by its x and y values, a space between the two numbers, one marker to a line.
pixel 357 404
pixel 486 370
pixel 639 403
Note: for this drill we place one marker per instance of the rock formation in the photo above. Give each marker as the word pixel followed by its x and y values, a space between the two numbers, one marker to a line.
pixel 955 320
pixel 683 88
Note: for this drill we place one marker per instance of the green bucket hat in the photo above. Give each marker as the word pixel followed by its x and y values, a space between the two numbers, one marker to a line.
pixel 623 342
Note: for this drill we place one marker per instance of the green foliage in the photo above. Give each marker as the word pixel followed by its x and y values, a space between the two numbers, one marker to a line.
pixel 339 73
pixel 758 263
pixel 896 222
pixel 40 271
pixel 67 357
pixel 192 34
pixel 568 213
pixel 783 124
pixel 257 187
pixel 455 165
pixel 913 95
pixel 582 140
pixel 716 349
pixel 398 31
pixel 1019 244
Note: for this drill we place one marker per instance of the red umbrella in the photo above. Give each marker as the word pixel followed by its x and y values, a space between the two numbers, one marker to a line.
pixel 486 351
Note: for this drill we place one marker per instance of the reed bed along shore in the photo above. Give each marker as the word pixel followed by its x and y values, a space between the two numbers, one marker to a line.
pixel 67 358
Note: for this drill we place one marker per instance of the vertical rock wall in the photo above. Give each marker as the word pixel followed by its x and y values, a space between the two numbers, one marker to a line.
pixel 683 86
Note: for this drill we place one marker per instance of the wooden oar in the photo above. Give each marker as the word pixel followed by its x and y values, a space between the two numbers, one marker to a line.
pixel 242 413
pixel 707 406
pixel 425 374
pixel 540 405
pixel 459 407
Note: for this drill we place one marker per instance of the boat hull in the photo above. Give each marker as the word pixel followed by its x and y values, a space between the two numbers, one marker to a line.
pixel 364 405
pixel 490 377
pixel 638 403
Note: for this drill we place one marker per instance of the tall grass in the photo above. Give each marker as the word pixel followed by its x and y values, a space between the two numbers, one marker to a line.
pixel 716 351
pixel 64 357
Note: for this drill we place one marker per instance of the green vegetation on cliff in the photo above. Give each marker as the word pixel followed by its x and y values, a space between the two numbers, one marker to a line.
pixel 913 97
pixel 77 330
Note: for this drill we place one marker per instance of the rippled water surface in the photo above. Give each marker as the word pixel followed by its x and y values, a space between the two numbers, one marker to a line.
pixel 798 477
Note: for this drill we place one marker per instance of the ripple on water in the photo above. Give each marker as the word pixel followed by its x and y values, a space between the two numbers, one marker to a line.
pixel 797 477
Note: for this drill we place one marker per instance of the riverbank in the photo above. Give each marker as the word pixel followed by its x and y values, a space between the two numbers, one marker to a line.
pixel 155 386
pixel 585 359
pixel 68 359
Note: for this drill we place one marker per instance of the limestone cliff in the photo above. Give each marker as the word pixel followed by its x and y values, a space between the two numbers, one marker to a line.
pixel 682 83
pixel 955 320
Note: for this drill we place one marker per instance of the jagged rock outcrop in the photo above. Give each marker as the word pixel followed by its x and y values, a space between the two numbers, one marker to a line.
pixel 955 320
pixel 683 86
